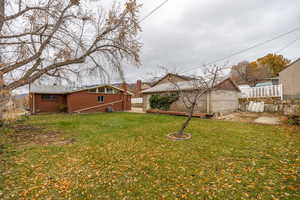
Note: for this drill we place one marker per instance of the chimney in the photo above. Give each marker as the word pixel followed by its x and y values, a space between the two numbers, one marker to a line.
pixel 124 86
pixel 138 88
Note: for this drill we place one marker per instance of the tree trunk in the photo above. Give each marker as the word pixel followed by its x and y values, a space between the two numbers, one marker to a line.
pixel 2 13
pixel 184 125
pixel 20 5
pixel 2 105
pixel 2 97
pixel 187 121
pixel 1 116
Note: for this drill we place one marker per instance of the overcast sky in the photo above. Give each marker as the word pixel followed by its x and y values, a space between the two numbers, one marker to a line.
pixel 185 34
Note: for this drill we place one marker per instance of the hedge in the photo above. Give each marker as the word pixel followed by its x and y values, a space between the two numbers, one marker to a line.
pixel 162 102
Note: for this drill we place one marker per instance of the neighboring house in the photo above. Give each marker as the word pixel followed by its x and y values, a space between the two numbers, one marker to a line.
pixel 172 78
pixel 99 98
pixel 135 88
pixel 223 98
pixel 290 79
pixel 268 82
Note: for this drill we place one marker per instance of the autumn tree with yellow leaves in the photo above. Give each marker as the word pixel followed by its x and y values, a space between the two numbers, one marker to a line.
pixel 265 67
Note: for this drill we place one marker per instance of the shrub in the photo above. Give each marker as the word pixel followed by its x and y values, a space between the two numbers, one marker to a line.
pixel 62 108
pixel 294 120
pixel 163 102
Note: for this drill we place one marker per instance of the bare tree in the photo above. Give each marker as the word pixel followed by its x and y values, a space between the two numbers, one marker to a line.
pixel 57 38
pixel 160 72
pixel 240 74
pixel 190 92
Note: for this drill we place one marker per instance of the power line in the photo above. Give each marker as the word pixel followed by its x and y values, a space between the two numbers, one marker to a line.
pixel 154 10
pixel 247 49
pixel 288 45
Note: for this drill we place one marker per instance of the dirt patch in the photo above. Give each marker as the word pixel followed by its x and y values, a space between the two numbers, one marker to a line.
pixel 24 135
pixel 268 120
pixel 175 137
pixel 250 117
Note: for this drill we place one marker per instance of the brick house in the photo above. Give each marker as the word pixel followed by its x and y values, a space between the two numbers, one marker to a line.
pixel 135 88
pixel 100 98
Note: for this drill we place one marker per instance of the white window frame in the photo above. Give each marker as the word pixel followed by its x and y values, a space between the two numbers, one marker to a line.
pixel 113 91
pixel 101 99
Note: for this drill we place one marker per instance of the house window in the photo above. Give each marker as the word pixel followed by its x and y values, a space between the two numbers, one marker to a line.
pixel 109 91
pixel 48 97
pixel 97 90
pixel 101 99
pixel 101 90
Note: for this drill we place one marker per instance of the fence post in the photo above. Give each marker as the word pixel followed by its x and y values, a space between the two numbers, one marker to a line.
pixel 281 91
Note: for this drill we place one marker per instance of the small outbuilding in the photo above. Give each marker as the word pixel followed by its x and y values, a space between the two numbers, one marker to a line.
pixel 222 99
pixel 290 80
pixel 100 98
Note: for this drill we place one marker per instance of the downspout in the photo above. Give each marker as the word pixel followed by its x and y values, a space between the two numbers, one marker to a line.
pixel 33 99
pixel 123 93
pixel 68 104
pixel 125 97
pixel 125 101
pixel 32 95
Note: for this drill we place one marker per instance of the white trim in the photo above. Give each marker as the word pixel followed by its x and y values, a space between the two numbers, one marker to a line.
pixel 84 89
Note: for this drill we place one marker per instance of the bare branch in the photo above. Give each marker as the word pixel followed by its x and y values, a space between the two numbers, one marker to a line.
pixel 20 13
pixel 51 40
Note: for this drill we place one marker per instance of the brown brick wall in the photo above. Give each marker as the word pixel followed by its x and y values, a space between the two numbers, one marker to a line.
pixel 84 99
pixel 80 100
pixel 42 105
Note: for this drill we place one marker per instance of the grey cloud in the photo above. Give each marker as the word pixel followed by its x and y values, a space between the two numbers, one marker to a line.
pixel 185 34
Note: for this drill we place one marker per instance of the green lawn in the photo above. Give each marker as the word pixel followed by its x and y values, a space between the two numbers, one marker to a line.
pixel 127 156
